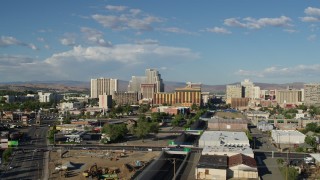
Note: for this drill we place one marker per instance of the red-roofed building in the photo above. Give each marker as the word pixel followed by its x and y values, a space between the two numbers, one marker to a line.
pixel 242 166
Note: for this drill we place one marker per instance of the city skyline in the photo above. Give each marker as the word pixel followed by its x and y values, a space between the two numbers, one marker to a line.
pixel 212 42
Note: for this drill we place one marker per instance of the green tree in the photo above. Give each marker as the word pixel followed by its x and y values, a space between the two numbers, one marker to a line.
pixel 127 109
pixel 52 133
pixel 6 154
pixel 194 107
pixel 176 120
pixel 303 107
pixel 299 149
pixel 158 116
pixel 144 108
pixel 249 135
pixel 311 140
pixel 116 132
pixel 311 127
pixel 144 127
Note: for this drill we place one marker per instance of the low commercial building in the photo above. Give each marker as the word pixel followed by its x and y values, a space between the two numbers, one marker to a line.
pixel 68 128
pixel 218 167
pixel 212 167
pixel 227 150
pixel 264 126
pixel 242 167
pixel 287 136
pixel 218 138
pixel 240 103
pixel 220 124
pixel 257 115
pixel 71 105
pixel 172 110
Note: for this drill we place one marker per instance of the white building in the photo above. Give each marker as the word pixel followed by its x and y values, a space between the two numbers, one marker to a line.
pixel 71 105
pixel 105 101
pixel 102 86
pixel 257 115
pixel 45 97
pixel 223 138
pixel 287 136
pixel 227 150
pixel 264 126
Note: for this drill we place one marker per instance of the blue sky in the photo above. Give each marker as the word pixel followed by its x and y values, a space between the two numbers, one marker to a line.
pixel 212 42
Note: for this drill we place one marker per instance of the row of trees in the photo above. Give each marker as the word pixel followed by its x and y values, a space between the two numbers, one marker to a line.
pixel 144 126
pixel 290 113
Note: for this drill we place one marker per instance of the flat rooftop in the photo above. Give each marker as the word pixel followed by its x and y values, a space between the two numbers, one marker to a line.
pixel 287 132
pixel 224 138
pixel 209 150
pixel 215 162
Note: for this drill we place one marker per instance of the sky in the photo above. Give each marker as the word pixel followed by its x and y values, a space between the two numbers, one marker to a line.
pixel 209 41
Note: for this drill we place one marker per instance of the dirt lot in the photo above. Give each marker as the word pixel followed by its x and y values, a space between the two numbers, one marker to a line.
pixel 83 159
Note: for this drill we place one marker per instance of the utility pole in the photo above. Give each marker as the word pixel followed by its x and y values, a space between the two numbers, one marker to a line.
pixel 174 167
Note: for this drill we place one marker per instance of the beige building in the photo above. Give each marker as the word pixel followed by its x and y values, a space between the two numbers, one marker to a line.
pixel 242 167
pixel 186 96
pixel 212 167
pixel 289 96
pixel 148 90
pixel 240 103
pixel 233 91
pixel 220 124
pixel 105 101
pixel 103 86
pixel 312 94
pixel 122 98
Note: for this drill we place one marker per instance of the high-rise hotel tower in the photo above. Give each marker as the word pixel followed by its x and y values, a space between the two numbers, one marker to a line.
pixel 103 86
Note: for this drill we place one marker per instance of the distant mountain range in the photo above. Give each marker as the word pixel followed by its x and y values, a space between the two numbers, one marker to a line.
pixel 84 86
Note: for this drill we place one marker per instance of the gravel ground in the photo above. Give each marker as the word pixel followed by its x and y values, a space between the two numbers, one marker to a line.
pixel 83 159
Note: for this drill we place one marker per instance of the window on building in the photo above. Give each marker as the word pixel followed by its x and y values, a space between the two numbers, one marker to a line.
pixel 206 172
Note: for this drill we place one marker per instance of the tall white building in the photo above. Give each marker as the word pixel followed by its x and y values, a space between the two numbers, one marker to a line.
pixel 135 83
pixel 45 97
pixel 233 91
pixel 152 77
pixel 248 88
pixel 103 86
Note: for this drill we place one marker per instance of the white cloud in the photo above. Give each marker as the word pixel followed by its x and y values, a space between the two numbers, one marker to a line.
pixel 135 12
pixel 94 36
pixel 233 22
pixel 117 59
pixel 127 19
pixel 310 19
pixel 40 39
pixel 299 71
pixel 14 60
pixel 47 46
pixel 312 37
pixel 175 30
pixel 68 41
pixel 116 8
pixel 218 30
pixel 6 41
pixel 312 15
pixel 290 30
pixel 311 11
pixel 147 41
pixel 32 46
pixel 252 23
pixel 124 53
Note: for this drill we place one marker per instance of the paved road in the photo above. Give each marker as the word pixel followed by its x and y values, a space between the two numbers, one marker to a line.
pixel 27 162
